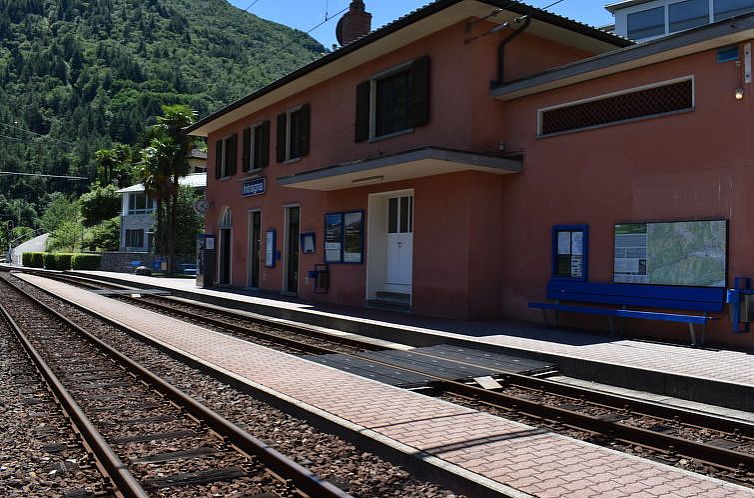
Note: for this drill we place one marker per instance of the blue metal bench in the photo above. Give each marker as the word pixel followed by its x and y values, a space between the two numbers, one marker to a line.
pixel 188 269
pixel 705 300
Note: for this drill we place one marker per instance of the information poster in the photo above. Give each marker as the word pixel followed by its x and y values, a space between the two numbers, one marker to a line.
pixel 353 243
pixel 570 253
pixel 333 237
pixel 269 249
pixel 690 253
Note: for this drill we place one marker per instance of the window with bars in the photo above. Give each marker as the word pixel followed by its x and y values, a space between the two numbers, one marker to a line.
pixel 640 103
pixel 134 238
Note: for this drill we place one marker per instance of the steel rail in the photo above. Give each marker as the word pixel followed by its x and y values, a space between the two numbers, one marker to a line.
pixel 612 401
pixel 255 317
pixel 301 477
pixel 116 470
pixel 719 457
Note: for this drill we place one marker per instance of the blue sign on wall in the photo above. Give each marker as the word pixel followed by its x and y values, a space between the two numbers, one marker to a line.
pixel 257 186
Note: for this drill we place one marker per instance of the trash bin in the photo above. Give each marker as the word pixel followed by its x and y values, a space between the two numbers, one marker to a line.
pixel 321 276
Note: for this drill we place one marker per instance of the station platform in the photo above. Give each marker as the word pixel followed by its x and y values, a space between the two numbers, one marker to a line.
pixel 723 378
pixel 490 456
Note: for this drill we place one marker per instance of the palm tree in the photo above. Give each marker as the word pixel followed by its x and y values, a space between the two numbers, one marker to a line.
pixel 164 162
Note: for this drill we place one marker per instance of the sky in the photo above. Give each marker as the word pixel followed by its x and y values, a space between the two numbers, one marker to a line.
pixel 306 14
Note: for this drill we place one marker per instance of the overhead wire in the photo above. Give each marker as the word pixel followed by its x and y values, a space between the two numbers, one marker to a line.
pixel 553 3
pixel 8 125
pixel 16 173
pixel 285 47
pixel 251 5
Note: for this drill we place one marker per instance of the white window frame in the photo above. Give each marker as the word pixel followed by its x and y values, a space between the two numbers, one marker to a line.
pixel 150 204
pixel 541 111
pixel 621 16
pixel 404 66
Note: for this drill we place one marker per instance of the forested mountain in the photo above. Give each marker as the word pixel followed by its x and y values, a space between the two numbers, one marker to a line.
pixel 77 76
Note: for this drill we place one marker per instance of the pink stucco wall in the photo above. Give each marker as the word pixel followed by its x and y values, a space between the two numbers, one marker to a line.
pixel 694 165
pixel 482 243
pixel 450 210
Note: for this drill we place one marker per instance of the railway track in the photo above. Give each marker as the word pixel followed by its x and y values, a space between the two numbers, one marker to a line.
pixel 42 452
pixel 692 440
pixel 150 438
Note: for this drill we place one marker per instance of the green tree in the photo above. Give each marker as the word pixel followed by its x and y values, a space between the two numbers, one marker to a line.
pixel 114 166
pixel 59 210
pixel 104 236
pixel 164 162
pixel 191 223
pixel 99 204
pixel 67 237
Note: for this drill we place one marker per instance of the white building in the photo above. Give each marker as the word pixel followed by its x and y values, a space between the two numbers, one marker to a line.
pixel 644 20
pixel 137 214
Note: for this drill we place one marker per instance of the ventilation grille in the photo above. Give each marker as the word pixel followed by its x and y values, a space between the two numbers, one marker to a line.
pixel 643 103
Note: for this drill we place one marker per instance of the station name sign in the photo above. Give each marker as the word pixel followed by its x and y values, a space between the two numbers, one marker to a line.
pixel 257 186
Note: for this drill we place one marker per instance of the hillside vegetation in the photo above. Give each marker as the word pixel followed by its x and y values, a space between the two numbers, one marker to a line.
pixel 78 76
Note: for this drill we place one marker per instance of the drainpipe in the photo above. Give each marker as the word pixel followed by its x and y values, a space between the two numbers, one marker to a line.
pixel 501 48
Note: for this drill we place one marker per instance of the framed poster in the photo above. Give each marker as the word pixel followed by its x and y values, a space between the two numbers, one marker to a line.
pixel 692 253
pixel 569 258
pixel 353 239
pixel 269 249
pixel 308 244
pixel 333 238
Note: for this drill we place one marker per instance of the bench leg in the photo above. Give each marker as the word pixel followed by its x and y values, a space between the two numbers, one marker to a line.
pixel 544 315
pixel 704 333
pixel 693 335
pixel 612 325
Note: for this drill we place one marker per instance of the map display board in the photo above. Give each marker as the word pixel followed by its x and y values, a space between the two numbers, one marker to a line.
pixel 690 253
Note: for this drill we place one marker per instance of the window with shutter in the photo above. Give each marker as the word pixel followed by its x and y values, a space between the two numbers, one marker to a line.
pixel 293 133
pixel 256 146
pixel 394 101
pixel 219 159
pixel 226 156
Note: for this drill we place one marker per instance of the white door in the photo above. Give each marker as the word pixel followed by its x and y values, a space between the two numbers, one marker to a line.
pixel 400 243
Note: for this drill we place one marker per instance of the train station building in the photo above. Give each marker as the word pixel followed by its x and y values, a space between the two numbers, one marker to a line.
pixel 456 161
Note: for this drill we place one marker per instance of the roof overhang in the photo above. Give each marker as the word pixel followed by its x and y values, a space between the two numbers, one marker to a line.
pixel 612 7
pixel 415 26
pixel 709 37
pixel 417 163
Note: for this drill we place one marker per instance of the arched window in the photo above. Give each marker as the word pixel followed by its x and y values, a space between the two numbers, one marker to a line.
pixel 226 220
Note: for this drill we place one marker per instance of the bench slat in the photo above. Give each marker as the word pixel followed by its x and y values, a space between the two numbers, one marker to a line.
pixel 646 315
pixel 677 293
pixel 636 301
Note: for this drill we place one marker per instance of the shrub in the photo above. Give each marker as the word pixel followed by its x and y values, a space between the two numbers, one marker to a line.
pixel 50 260
pixel 85 261
pixel 57 261
pixel 32 259
pixel 35 259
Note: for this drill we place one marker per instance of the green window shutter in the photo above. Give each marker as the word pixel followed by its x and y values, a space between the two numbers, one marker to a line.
pixel 264 145
pixel 420 91
pixel 246 152
pixel 363 99
pixel 304 138
pixel 218 158
pixel 281 133
pixel 232 154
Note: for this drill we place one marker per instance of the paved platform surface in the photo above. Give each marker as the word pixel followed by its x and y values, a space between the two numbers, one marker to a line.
pixel 516 459
pixel 706 371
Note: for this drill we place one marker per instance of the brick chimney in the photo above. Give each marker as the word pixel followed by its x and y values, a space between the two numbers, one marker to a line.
pixel 354 24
